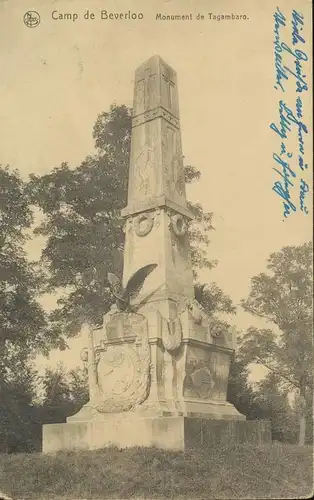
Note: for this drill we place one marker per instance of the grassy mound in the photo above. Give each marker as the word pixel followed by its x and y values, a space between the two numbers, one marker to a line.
pixel 272 471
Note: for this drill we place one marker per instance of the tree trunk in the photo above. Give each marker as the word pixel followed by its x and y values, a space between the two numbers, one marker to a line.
pixel 2 356
pixel 92 365
pixel 302 420
pixel 302 424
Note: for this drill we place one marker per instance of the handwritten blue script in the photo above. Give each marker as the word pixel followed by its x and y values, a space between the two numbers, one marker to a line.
pixel 290 59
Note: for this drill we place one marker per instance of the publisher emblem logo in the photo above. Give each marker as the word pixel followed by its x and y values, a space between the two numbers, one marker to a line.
pixel 31 19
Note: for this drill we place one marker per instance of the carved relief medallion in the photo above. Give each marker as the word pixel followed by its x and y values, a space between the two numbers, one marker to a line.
pixel 202 381
pixel 123 364
pixel 199 380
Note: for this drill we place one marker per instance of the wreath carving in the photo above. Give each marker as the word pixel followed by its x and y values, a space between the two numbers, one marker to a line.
pixel 143 224
pixel 178 225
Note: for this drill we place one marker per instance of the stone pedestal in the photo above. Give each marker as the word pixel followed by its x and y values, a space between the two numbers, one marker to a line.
pixel 151 388
pixel 171 433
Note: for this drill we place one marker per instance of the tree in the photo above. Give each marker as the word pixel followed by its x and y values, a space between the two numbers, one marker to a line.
pixel 17 392
pixel 24 327
pixel 240 393
pixel 23 323
pixel 21 318
pixel 284 298
pixel 83 227
pixel 213 299
pixel 275 407
pixel 64 393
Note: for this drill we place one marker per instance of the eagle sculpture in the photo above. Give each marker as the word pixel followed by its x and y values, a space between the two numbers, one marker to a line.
pixel 133 287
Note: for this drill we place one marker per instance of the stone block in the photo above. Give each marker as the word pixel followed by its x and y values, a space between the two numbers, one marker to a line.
pixel 208 432
pixel 172 433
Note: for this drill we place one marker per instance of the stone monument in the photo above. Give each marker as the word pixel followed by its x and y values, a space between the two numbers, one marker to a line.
pixel 158 368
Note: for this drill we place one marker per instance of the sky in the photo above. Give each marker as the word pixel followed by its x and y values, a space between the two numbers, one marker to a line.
pixel 57 77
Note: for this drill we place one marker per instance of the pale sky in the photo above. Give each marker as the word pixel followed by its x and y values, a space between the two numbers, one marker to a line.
pixel 58 77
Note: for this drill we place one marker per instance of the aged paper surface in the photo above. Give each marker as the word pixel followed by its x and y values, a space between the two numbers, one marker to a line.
pixel 244 78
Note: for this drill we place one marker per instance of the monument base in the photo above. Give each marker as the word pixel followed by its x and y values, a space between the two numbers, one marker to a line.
pixel 166 432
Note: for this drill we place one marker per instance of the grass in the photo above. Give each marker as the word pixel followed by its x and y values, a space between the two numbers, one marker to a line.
pixel 239 471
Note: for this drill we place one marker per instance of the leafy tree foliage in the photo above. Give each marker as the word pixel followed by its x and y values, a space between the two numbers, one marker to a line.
pixel 284 298
pixel 24 327
pixel 240 393
pixel 64 393
pixel 275 407
pixel 17 392
pixel 265 400
pixel 23 324
pixel 21 318
pixel 213 299
pixel 83 227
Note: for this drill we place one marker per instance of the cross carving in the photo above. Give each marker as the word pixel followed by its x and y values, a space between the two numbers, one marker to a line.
pixel 146 78
pixel 170 86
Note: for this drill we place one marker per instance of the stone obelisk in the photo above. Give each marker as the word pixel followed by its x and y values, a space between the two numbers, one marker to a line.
pixel 158 369
pixel 157 216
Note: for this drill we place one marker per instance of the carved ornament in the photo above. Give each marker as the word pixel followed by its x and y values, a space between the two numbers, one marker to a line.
pixel 143 224
pixel 119 379
pixel 159 112
pixel 171 333
pixel 178 225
